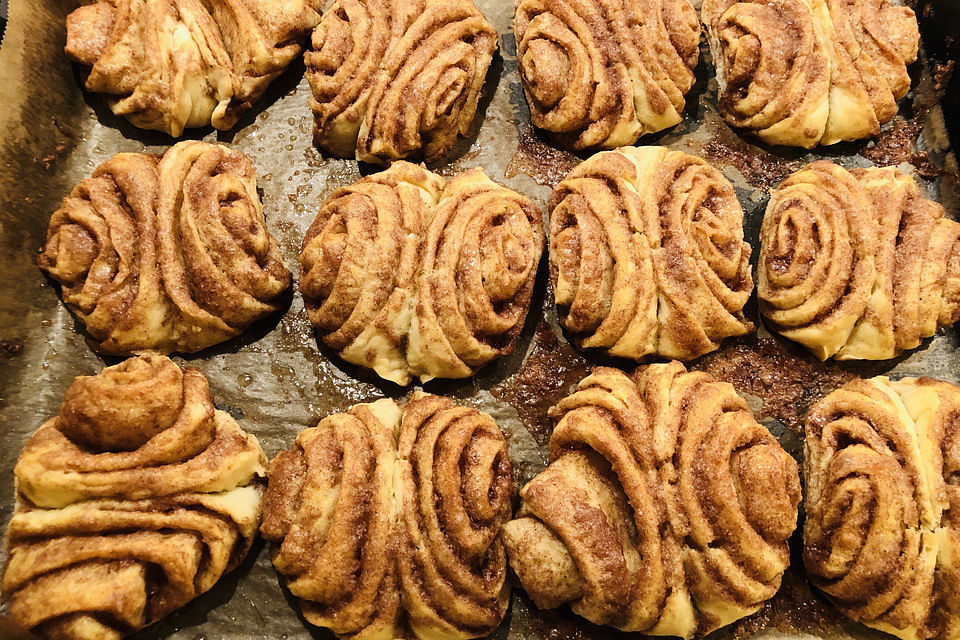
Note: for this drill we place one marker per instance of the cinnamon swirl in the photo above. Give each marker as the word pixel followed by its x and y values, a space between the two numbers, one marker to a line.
pixel 386 520
pixel 395 79
pixel 809 72
pixel 411 275
pixel 647 255
pixel 880 540
pixel 175 64
pixel 168 254
pixel 599 74
pixel 665 509
pixel 131 502
pixel 857 264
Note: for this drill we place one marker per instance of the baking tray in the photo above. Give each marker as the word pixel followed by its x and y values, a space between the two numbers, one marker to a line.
pixel 277 380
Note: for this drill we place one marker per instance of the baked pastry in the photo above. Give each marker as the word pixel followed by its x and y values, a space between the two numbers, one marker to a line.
pixel 647 255
pixel 386 520
pixel 131 502
pixel 881 536
pixel 395 79
pixel 857 264
pixel 665 509
pixel 598 74
pixel 809 72
pixel 174 64
pixel 167 253
pixel 410 275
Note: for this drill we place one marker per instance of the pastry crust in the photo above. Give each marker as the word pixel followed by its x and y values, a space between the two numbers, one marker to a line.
pixel 175 64
pixel 166 254
pixel 386 520
pixel 857 264
pixel 881 537
pixel 397 79
pixel 665 509
pixel 647 255
pixel 809 72
pixel 598 74
pixel 411 275
pixel 134 500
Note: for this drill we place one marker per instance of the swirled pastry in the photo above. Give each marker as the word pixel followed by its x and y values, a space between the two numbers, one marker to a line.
pixel 881 536
pixel 166 254
pixel 647 254
pixel 407 274
pixel 809 72
pixel 174 64
pixel 665 509
pixel 857 264
pixel 602 73
pixel 396 79
pixel 386 520
pixel 131 502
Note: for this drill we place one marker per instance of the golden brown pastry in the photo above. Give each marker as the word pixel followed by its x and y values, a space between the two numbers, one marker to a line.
pixel 131 502
pixel 174 64
pixel 857 264
pixel 410 275
pixel 647 254
pixel 396 79
pixel 882 537
pixel 386 520
pixel 809 72
pixel 598 74
pixel 166 254
pixel 665 509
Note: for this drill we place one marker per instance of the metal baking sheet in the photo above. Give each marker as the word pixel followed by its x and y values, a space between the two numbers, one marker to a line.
pixel 277 380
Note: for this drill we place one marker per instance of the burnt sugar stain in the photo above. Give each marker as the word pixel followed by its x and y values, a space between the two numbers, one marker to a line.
pixel 538 159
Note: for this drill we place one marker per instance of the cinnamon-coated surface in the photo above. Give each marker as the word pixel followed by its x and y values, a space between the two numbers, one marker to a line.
pixel 131 502
pixel 176 64
pixel 857 264
pixel 410 275
pixel 396 79
pixel 665 509
pixel 166 254
pixel 881 535
pixel 809 72
pixel 386 520
pixel 647 255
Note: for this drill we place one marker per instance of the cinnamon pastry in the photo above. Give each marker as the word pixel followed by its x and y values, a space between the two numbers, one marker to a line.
pixel 396 79
pixel 857 264
pixel 174 64
pixel 881 536
pixel 166 254
pixel 131 502
pixel 665 509
pixel 647 254
pixel 809 72
pixel 386 520
pixel 602 73
pixel 412 276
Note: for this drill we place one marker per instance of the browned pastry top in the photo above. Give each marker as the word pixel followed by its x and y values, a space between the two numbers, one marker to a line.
pixel 132 501
pixel 602 73
pixel 386 520
pixel 881 536
pixel 665 509
pixel 857 264
pixel 168 254
pixel 396 79
pixel 175 64
pixel 411 275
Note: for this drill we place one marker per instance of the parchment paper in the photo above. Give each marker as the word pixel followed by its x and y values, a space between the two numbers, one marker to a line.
pixel 276 379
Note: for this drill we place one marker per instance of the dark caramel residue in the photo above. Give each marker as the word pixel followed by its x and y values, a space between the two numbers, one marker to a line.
pixel 759 168
pixel 539 160
pixel 548 372
pixel 10 349
pixel 787 381
pixel 47 161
